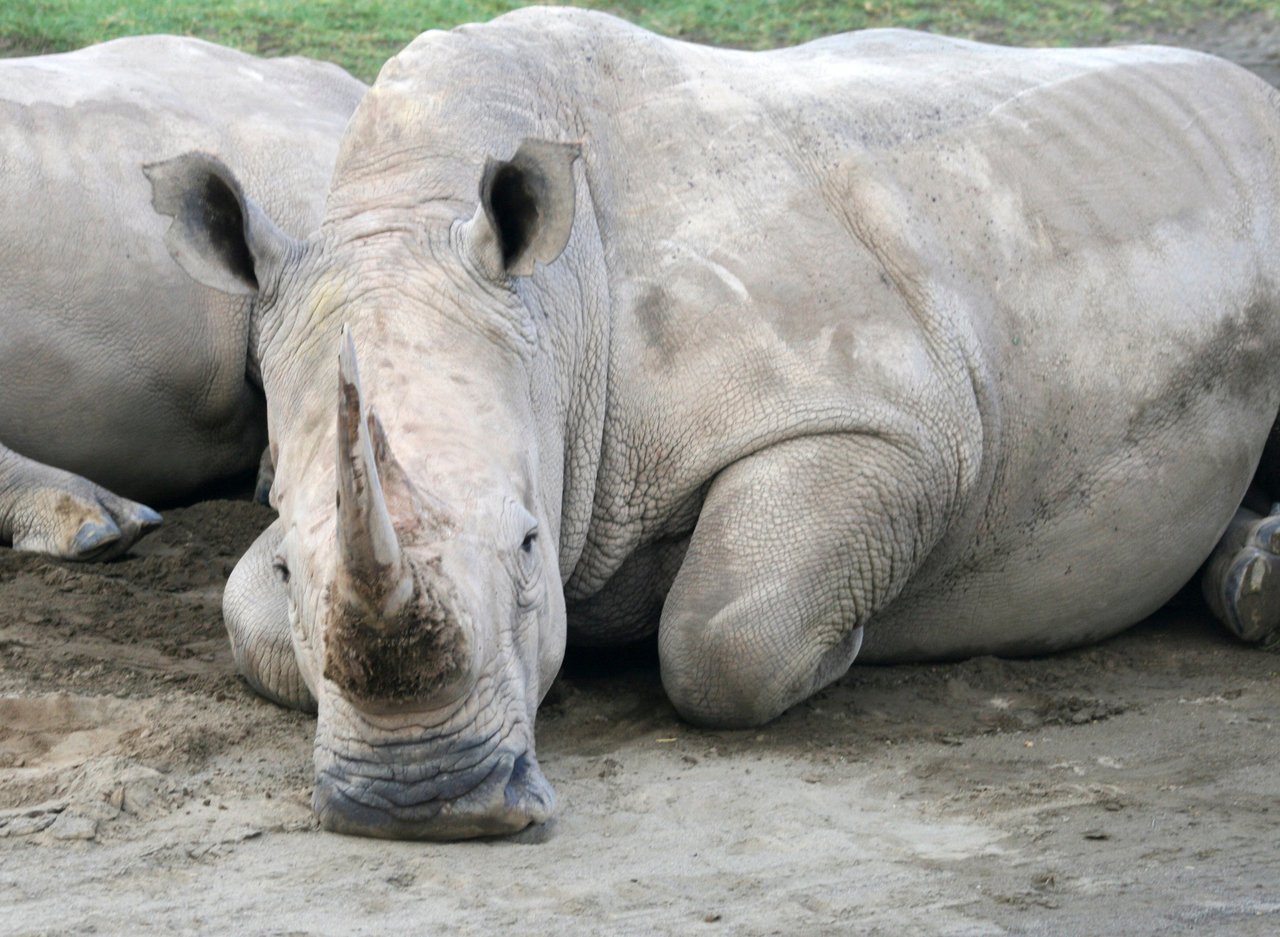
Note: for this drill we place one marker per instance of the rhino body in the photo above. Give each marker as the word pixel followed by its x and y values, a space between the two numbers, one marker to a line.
pixel 952 348
pixel 118 368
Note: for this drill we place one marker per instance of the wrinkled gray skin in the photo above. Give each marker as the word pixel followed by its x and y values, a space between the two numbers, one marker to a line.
pixel 117 368
pixel 968 347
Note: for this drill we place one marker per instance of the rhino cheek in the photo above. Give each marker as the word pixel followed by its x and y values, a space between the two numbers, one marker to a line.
pixel 306 601
pixel 551 639
pixel 307 655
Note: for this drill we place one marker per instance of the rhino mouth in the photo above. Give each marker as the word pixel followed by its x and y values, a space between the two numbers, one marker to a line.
pixel 503 794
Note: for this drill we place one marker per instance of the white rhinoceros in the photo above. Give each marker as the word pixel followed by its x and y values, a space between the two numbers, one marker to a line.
pixel 115 365
pixel 967 347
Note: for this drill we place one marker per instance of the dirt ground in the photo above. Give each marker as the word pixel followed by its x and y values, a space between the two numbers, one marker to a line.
pixel 1132 787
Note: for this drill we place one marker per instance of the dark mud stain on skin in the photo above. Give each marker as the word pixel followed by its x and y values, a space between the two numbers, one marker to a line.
pixel 653 314
pixel 421 651
pixel 1237 361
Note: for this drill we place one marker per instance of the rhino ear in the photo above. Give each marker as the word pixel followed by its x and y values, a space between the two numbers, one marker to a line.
pixel 220 237
pixel 526 209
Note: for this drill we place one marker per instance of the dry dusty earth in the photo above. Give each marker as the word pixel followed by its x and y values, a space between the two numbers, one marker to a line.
pixel 1132 787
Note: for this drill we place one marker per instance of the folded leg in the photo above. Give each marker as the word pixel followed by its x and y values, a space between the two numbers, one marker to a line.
pixel 255 607
pixel 795 548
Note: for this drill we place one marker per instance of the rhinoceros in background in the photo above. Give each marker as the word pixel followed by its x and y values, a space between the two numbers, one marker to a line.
pixel 116 366
pixel 971 349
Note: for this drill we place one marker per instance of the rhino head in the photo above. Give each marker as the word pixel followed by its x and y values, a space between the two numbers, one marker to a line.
pixel 417 481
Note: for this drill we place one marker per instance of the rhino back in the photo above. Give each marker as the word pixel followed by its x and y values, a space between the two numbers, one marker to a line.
pixel 119 366
pixel 1060 263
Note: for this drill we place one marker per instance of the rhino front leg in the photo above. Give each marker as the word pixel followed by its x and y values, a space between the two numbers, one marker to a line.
pixel 795 547
pixel 46 510
pixel 255 607
pixel 266 478
pixel 1242 578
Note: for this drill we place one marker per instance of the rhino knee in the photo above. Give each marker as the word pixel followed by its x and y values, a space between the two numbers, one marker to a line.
pixel 720 675
pixel 736 672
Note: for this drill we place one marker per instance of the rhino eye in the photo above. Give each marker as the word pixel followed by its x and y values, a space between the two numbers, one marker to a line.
pixel 280 568
pixel 526 575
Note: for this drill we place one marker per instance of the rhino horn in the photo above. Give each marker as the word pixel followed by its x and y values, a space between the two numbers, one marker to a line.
pixel 377 575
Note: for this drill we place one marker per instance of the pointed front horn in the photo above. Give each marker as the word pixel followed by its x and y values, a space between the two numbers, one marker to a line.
pixel 369 550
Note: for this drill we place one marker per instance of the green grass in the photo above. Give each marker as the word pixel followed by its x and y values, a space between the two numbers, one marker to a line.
pixel 361 34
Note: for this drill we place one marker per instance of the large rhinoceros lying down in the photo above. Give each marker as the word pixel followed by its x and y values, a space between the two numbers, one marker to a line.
pixel 971 349
pixel 115 365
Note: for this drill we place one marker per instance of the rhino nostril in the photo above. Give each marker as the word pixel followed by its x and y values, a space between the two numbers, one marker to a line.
pixel 518 782
pixel 527 791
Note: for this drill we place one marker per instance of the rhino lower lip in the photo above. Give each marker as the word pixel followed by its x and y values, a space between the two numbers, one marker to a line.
pixel 404 793
pixel 511 795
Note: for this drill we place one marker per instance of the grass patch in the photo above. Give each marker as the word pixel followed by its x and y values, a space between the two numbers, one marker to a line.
pixel 361 34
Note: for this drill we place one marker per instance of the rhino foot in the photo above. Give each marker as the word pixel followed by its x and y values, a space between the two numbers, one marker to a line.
pixel 46 510
pixel 1242 580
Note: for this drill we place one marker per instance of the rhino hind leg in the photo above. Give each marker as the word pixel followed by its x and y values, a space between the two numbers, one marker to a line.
pixel 255 607
pixel 794 548
pixel 1241 581
pixel 47 510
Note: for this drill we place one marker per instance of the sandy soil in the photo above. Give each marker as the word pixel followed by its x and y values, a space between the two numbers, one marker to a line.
pixel 1132 787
